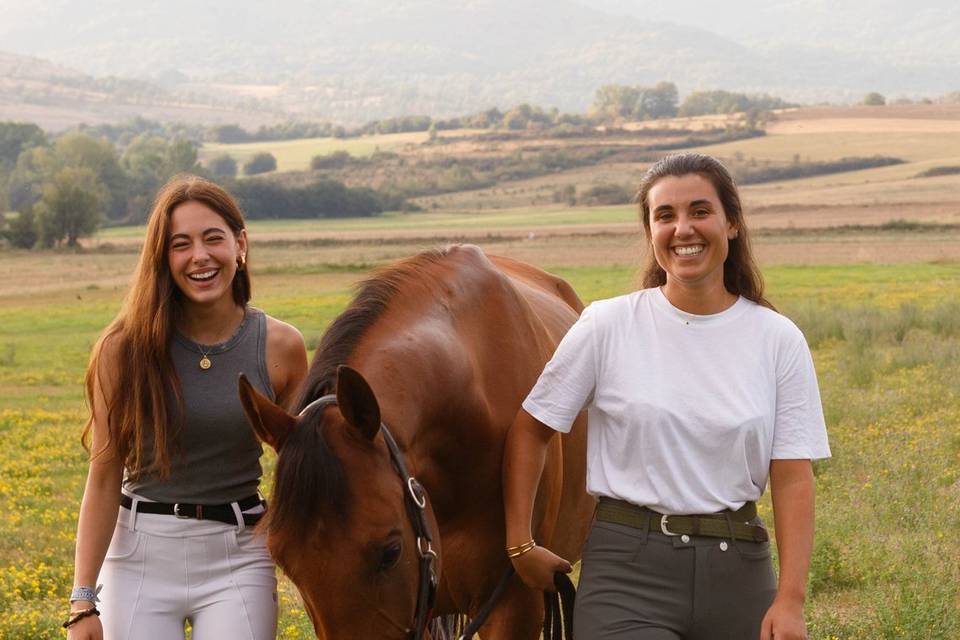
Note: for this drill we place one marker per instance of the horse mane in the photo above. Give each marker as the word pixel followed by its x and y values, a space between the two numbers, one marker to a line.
pixel 371 300
pixel 309 476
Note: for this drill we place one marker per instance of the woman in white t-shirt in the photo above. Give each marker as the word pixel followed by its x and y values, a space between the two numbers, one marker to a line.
pixel 697 392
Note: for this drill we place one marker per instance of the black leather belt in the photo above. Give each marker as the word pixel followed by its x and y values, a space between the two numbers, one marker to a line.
pixel 218 512
pixel 726 524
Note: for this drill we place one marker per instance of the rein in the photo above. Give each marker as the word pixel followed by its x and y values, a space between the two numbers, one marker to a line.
pixel 415 501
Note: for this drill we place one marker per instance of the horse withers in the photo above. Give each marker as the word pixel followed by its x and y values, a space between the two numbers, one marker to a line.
pixel 440 349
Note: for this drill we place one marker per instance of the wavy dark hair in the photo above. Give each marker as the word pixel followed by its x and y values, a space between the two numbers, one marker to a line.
pixel 140 336
pixel 741 275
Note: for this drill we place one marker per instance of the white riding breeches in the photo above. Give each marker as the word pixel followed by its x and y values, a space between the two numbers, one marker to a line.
pixel 161 571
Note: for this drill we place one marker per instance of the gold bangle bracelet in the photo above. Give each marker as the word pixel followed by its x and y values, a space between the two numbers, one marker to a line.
pixel 516 552
pixel 521 546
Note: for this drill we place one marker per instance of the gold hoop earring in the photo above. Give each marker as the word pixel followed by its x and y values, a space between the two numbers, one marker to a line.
pixel 241 262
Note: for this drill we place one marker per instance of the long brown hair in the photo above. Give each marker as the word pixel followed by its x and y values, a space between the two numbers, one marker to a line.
pixel 140 337
pixel 741 275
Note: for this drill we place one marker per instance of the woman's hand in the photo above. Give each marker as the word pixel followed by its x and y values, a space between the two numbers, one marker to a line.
pixel 88 628
pixel 536 568
pixel 783 621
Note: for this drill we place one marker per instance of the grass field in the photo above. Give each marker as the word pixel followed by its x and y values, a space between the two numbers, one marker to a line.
pixel 433 222
pixel 886 340
pixel 880 309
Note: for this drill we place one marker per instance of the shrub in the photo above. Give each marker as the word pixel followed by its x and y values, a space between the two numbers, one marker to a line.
pixel 223 166
pixel 261 163
pixel 749 174
pixel 933 172
pixel 874 99
pixel 322 199
pixel 21 232
pixel 334 160
pixel 606 194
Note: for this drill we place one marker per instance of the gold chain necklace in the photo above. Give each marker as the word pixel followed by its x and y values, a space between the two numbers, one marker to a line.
pixel 204 357
pixel 205 362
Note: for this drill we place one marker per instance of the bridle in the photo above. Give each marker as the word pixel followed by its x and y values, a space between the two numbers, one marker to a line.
pixel 415 501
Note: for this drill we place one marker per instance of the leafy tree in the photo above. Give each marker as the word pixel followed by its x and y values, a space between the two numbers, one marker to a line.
pixel 38 165
pixel 180 157
pixel 615 101
pixel 874 99
pixel 70 207
pixel 150 161
pixel 21 231
pixel 659 101
pixel 323 199
pixel 79 150
pixel 333 160
pixel 262 162
pixel 701 103
pixel 17 137
pixel 518 117
pixel 229 134
pixel 223 166
pixel 25 181
pixel 483 119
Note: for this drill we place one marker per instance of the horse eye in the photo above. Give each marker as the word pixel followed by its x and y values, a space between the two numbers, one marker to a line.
pixel 389 556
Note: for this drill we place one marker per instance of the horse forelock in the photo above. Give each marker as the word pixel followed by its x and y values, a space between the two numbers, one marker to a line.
pixel 309 482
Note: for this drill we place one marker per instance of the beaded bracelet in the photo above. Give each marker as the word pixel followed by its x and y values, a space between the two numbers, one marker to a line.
pixel 77 616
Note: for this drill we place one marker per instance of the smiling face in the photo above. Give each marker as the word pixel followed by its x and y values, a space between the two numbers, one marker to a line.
pixel 203 253
pixel 689 232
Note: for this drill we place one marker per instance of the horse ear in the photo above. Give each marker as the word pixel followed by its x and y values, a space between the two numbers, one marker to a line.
pixel 357 402
pixel 271 423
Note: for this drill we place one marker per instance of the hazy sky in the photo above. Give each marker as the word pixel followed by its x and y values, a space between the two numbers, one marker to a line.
pixel 449 56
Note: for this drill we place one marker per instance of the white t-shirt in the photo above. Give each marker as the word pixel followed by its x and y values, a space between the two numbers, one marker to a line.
pixel 684 412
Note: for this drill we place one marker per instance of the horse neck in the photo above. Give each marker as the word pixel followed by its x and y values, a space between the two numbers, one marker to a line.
pixel 433 418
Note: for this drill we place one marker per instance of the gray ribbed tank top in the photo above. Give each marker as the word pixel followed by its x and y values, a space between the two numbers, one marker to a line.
pixel 217 459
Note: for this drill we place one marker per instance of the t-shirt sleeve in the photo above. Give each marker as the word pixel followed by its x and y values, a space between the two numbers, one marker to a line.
pixel 800 432
pixel 567 383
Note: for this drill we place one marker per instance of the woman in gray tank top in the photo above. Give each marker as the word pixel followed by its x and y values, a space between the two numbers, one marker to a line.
pixel 166 527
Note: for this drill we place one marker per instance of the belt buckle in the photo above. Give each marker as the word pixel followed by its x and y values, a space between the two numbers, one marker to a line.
pixel 198 514
pixel 663 526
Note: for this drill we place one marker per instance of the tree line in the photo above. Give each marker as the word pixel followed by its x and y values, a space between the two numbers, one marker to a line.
pixel 67 187
pixel 611 103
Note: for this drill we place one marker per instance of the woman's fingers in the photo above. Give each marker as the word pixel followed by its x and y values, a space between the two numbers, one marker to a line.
pixel 536 568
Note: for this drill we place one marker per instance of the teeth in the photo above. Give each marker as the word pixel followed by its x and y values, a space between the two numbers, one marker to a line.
pixel 206 275
pixel 688 251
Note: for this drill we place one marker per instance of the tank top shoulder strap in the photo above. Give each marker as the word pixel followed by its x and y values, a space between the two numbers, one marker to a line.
pixel 263 370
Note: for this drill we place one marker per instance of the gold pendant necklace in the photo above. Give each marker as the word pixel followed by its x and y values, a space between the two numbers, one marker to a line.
pixel 205 361
pixel 204 358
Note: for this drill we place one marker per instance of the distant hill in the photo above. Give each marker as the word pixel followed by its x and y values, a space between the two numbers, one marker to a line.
pixel 364 59
pixel 56 97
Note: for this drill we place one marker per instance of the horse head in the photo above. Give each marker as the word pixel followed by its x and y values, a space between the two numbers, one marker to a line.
pixel 347 523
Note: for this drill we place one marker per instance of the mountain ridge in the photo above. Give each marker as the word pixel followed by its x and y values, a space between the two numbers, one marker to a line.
pixel 380 58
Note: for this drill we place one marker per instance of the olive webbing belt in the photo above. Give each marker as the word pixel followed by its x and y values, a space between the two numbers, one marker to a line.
pixel 725 524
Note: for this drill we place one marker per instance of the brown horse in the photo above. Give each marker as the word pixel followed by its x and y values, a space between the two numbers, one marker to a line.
pixel 441 347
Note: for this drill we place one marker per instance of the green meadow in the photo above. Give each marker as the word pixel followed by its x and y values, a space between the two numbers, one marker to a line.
pixel 441 221
pixel 886 340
